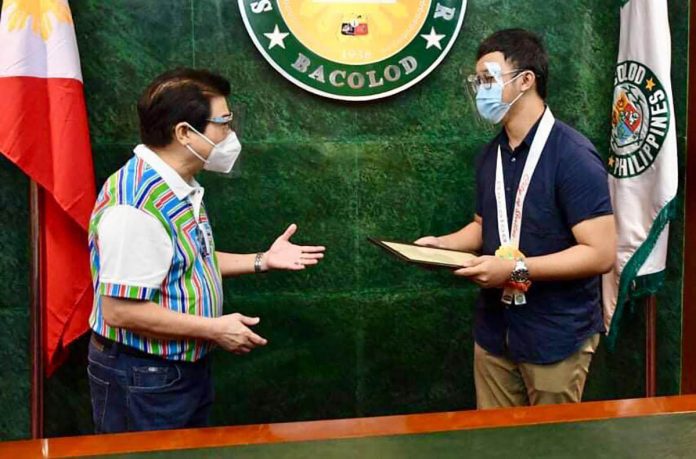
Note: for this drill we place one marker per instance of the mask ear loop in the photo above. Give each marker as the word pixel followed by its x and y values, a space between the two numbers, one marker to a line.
pixel 193 152
pixel 190 148
pixel 522 92
pixel 199 133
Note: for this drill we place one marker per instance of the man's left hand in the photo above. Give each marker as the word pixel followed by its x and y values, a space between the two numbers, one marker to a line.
pixel 283 254
pixel 487 271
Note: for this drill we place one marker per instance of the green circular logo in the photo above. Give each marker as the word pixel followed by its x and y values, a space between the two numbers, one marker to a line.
pixel 640 119
pixel 353 50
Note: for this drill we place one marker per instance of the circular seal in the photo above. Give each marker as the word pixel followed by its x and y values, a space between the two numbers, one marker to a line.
pixel 353 49
pixel 640 119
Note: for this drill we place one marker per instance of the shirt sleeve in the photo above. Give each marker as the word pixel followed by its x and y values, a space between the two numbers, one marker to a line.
pixel 583 190
pixel 135 253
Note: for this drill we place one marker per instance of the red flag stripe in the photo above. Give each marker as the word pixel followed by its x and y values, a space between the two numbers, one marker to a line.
pixel 44 131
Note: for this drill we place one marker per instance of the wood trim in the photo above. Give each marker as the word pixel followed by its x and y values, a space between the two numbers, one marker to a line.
pixel 688 375
pixel 36 313
pixel 343 428
pixel 650 346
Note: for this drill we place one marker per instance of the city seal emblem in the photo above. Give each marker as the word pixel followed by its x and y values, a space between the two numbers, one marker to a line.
pixel 640 120
pixel 353 50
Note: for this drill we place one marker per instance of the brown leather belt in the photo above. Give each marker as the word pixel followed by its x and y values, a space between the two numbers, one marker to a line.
pixel 105 344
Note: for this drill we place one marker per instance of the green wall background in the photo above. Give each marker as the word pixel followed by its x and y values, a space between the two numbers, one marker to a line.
pixel 362 334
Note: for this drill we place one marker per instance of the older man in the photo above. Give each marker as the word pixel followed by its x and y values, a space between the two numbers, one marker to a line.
pixel 158 280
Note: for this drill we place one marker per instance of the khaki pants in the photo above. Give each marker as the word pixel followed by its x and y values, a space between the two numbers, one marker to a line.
pixel 503 383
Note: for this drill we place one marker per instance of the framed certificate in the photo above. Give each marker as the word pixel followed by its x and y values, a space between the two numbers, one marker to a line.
pixel 424 255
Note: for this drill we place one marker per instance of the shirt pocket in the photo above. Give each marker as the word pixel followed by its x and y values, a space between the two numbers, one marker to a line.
pixel 543 231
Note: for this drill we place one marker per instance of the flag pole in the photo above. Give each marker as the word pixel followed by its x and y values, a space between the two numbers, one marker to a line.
pixel 688 332
pixel 36 314
pixel 650 345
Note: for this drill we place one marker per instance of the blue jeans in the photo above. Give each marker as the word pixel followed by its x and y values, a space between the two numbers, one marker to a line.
pixel 132 391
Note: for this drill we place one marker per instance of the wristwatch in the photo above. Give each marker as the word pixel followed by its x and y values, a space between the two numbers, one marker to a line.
pixel 257 263
pixel 520 274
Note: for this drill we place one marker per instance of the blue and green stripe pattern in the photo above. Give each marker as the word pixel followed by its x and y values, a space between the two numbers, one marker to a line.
pixel 193 284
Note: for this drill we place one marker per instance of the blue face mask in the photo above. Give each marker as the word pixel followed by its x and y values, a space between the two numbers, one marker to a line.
pixel 489 101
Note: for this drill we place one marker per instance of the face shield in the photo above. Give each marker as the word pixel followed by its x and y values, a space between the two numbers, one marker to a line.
pixel 485 91
pixel 232 124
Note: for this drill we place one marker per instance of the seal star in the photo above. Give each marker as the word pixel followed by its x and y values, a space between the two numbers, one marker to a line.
pixel 433 39
pixel 649 84
pixel 611 161
pixel 276 38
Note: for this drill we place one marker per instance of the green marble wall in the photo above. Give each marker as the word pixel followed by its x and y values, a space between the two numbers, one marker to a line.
pixel 362 334
pixel 15 364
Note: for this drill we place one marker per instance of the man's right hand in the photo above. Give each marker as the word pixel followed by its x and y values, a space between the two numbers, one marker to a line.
pixel 231 333
pixel 429 241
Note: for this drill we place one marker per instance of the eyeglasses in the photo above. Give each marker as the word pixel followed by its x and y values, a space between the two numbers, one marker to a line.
pixel 223 120
pixel 487 80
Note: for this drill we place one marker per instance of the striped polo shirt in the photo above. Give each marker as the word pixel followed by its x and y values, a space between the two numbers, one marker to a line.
pixel 189 284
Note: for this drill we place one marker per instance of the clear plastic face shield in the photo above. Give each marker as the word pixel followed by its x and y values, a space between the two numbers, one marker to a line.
pixel 225 159
pixel 489 85
pixel 236 124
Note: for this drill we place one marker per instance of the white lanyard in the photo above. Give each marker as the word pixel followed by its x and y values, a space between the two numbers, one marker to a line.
pixel 511 235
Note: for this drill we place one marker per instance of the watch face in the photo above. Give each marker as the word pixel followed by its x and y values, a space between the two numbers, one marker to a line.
pixel 520 271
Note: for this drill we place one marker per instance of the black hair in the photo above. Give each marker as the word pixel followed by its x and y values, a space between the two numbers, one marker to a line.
pixel 178 95
pixel 523 49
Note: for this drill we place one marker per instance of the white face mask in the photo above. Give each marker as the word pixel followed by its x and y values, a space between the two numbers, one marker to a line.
pixel 223 155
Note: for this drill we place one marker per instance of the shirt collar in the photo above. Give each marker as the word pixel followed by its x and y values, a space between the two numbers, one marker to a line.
pixel 527 142
pixel 171 177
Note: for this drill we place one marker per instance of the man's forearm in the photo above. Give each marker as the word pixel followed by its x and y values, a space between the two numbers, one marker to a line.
pixel 467 239
pixel 577 262
pixel 149 319
pixel 234 264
